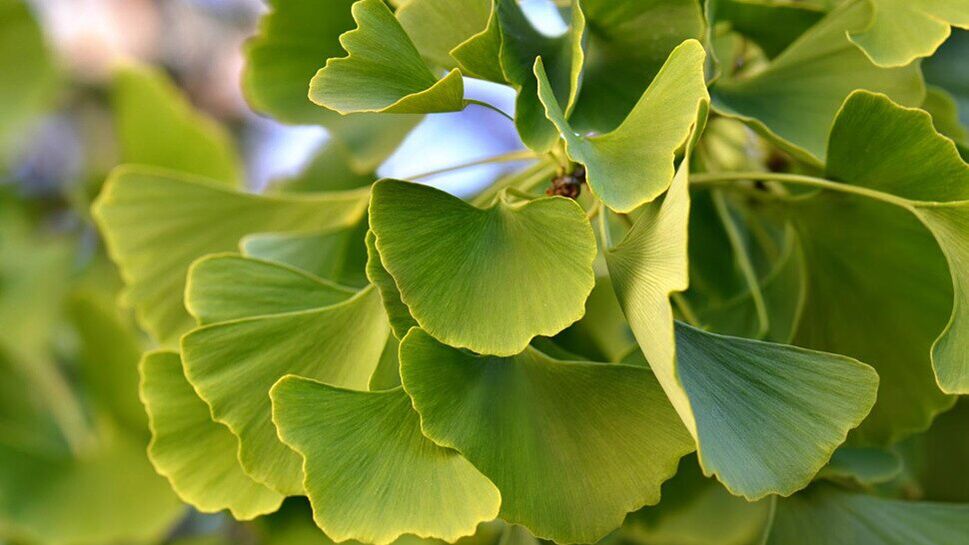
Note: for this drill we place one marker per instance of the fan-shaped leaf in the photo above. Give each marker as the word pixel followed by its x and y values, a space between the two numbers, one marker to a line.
pixel 488 280
pixel 156 223
pixel 901 31
pixel 572 447
pixel 233 364
pixel 438 26
pixel 766 417
pixel 157 126
pixel 383 71
pixel 795 99
pixel 196 454
pixel 398 313
pixel 338 255
pixel 825 514
pixel 634 163
pixel 627 43
pixel 370 473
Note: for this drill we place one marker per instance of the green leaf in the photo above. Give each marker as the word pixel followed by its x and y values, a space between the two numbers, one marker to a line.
pixel 196 454
pixel 331 169
pixel 411 486
pixel 771 25
pixel 293 38
pixel 697 510
pixel 945 115
pixel 157 126
pixel 28 67
pixel 901 31
pixel 225 287
pixel 572 446
pixel 155 223
pixel 863 465
pixel 480 55
pixel 107 494
pixel 485 279
pixel 946 69
pixel 383 72
pixel 438 26
pixel 338 255
pixel 795 99
pixel 766 417
pixel 397 312
pixel 233 364
pixel 943 447
pixel 825 514
pixel 627 42
pixel 602 334
pixel 634 164
pixel 521 45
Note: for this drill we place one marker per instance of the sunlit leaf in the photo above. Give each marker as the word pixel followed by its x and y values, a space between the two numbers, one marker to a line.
pixel 398 313
pixel 156 223
pixel 411 485
pixel 766 417
pixel 196 454
pixel 901 31
pixel 627 42
pixel 157 126
pixel 825 514
pixel 771 25
pixel 794 101
pixel 634 163
pixel 338 255
pixel 383 72
pixel 293 39
pixel 438 26
pixel 233 364
pixel 572 446
pixel 500 275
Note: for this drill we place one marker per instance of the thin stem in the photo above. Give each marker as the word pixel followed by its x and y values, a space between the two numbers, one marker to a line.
pixel 726 178
pixel 61 400
pixel 743 260
pixel 524 195
pixel 483 104
pixel 524 180
pixel 520 155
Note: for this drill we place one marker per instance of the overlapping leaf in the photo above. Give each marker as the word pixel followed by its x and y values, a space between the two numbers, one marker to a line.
pixel 306 326
pixel 485 279
pixel 157 126
pixel 572 446
pixel 766 417
pixel 293 40
pixel 438 26
pixel 156 223
pixel 795 99
pixel 627 42
pixel 901 31
pixel 635 163
pixel 370 473
pixel 825 514
pixel 383 72
pixel 196 454
pixel 338 255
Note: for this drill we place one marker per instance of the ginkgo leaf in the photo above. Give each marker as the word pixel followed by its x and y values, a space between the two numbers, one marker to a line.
pixel 498 276
pixel 196 454
pixel 397 312
pixel 825 514
pixel 572 446
pixel 157 126
pixel 864 465
pixel 602 334
pixel 438 26
pixel 911 202
pixel 294 37
pixel 383 72
pixel 627 42
pixel 771 25
pixel 338 255
pixel 945 69
pixel 155 223
pixel 766 417
pixel 370 473
pixel 111 494
pixel 795 99
pixel 480 55
pixel 634 163
pixel 901 31
pixel 226 287
pixel 29 67
pixel 521 45
pixel 331 169
pixel 698 510
pixel 233 364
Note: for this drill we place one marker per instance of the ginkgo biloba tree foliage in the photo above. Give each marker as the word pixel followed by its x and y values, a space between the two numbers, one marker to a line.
pixel 724 303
